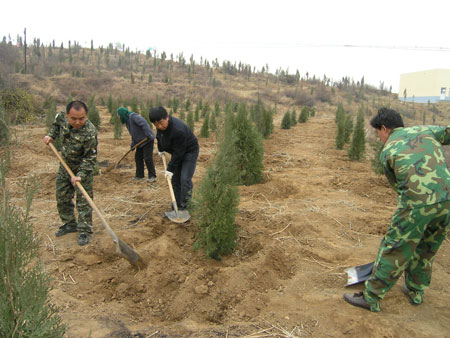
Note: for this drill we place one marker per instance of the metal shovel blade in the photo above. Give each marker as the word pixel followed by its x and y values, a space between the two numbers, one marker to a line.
pixel 359 274
pixel 182 216
pixel 126 251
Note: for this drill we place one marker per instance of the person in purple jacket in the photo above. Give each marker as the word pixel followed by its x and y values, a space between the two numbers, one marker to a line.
pixel 139 130
pixel 176 138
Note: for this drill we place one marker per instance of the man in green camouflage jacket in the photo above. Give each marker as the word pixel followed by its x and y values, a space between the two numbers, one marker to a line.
pixel 414 164
pixel 79 151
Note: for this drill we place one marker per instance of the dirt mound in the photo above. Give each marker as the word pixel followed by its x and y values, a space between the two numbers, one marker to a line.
pixel 315 214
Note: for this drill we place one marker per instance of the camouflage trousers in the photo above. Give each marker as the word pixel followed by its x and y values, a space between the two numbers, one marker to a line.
pixel 65 192
pixel 410 244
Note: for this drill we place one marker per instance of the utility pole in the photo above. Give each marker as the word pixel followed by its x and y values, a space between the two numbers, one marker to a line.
pixel 25 49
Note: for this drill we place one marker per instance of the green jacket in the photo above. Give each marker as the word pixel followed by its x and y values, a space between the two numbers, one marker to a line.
pixel 79 146
pixel 413 162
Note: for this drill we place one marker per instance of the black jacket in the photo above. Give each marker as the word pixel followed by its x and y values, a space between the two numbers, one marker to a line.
pixel 178 139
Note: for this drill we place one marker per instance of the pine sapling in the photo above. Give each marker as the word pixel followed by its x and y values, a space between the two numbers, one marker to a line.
pixel 204 131
pixel 357 149
pixel 286 121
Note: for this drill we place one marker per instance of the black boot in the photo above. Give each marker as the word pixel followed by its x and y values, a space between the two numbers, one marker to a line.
pixel 65 229
pixel 83 239
pixel 357 299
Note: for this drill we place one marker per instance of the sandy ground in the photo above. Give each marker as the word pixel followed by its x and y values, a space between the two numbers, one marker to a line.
pixel 315 214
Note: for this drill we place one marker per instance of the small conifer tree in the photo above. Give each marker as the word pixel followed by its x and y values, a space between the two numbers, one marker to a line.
pixel 304 115
pixel 197 113
pixel 339 112
pixel 340 133
pixel 109 104
pixel 134 105
pixel 187 105
pixel 93 114
pixel 215 202
pixel 348 128
pixel 312 111
pixel 212 122
pixel 377 147
pixel 248 149
pixel 118 126
pixel 263 118
pixel 286 121
pixel 356 151
pixel 217 108
pixel 215 208
pixel 190 120
pixel 293 117
pixel 204 131
pixel 4 126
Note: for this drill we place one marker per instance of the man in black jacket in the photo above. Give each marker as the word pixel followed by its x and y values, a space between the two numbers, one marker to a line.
pixel 176 138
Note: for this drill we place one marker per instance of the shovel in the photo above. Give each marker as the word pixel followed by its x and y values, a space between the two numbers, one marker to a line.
pixel 114 166
pixel 121 247
pixel 359 274
pixel 180 216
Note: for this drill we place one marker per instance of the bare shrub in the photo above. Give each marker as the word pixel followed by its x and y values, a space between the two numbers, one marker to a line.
pixel 322 94
pixel 304 99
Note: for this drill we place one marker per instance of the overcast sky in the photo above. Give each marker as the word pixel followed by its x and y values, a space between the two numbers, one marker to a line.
pixel 375 39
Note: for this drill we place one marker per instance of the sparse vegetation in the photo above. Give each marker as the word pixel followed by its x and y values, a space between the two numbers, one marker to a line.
pixel 25 309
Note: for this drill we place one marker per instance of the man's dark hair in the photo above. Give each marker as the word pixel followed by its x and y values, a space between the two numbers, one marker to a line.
pixel 157 113
pixel 77 105
pixel 387 117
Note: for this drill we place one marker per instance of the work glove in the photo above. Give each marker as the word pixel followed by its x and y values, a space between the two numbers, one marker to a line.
pixel 161 153
pixel 168 174
pixel 132 148
pixel 149 138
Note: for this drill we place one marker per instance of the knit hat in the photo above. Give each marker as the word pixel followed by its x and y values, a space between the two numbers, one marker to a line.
pixel 124 114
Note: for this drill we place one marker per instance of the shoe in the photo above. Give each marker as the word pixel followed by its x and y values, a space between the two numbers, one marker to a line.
pixel 415 298
pixel 357 299
pixel 83 239
pixel 65 229
pixel 151 179
pixel 138 179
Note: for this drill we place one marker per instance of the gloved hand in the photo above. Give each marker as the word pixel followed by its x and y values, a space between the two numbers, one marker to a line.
pixel 132 148
pixel 149 138
pixel 168 174
pixel 161 153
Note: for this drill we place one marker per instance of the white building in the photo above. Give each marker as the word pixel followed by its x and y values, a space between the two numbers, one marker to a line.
pixel 425 86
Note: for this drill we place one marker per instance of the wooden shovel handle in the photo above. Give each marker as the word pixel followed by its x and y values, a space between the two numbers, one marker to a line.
pixel 134 147
pixel 85 194
pixel 169 181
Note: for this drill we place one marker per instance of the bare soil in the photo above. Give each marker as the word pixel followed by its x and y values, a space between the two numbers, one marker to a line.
pixel 315 214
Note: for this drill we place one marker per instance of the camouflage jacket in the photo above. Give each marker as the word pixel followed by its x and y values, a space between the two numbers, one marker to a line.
pixel 79 146
pixel 413 162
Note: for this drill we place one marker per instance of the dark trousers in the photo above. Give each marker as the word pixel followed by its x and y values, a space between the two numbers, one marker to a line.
pixel 145 154
pixel 182 179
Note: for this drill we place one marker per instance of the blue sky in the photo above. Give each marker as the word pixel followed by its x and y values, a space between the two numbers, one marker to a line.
pixel 387 37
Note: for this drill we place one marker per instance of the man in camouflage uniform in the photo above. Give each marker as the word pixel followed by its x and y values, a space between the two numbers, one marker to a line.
pixel 79 151
pixel 414 164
